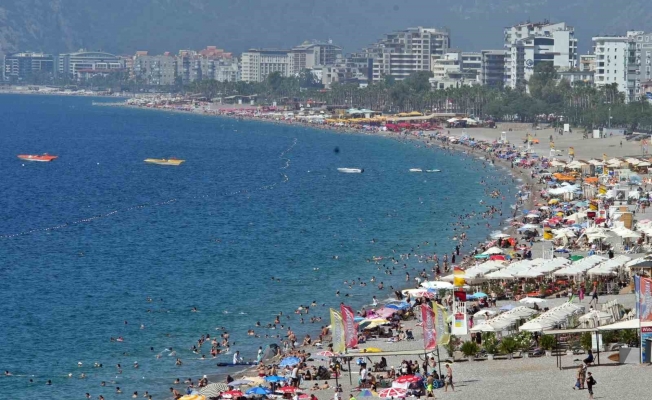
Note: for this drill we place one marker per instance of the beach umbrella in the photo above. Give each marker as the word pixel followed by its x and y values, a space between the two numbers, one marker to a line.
pixel 408 379
pixel 392 392
pixel 399 306
pixel 365 393
pixel 213 389
pixel 480 294
pixel 373 323
pixel 274 378
pixel 287 389
pixel 192 397
pixel 493 250
pixel 500 236
pixel 241 382
pixel 259 391
pixel 531 300
pixel 576 257
pixel 289 361
pixel 233 393
pixel 327 354
pixel 506 307
pixel 484 313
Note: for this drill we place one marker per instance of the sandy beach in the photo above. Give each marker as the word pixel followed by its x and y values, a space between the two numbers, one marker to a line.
pixel 521 378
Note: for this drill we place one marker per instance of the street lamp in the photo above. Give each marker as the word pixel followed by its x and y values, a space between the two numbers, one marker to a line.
pixel 609 117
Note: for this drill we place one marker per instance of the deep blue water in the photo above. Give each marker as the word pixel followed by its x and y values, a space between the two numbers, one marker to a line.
pixel 208 234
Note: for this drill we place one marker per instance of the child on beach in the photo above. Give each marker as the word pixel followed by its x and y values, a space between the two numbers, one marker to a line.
pixel 590 381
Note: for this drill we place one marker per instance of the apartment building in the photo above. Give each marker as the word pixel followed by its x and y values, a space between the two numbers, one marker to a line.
pixel 615 62
pixel 492 69
pixel 402 53
pixel 531 43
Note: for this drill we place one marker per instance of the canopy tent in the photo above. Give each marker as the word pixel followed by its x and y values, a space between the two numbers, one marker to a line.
pixel 609 267
pixel 629 324
pixel 551 318
pixel 503 321
pixel 580 266
pixel 595 318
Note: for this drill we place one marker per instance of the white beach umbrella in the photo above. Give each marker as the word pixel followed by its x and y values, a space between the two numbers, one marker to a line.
pixel 532 300
pixel 500 236
pixel 493 250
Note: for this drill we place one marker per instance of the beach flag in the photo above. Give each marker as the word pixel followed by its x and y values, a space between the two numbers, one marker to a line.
pixel 458 277
pixel 337 329
pixel 350 327
pixel 428 324
pixel 441 323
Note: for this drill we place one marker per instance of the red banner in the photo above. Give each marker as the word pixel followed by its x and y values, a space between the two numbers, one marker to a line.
pixel 350 327
pixel 429 331
pixel 644 297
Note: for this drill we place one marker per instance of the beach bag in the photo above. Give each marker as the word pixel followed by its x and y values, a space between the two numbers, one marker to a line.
pixel 577 383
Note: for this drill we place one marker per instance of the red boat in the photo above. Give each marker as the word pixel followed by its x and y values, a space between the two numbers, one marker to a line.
pixel 33 157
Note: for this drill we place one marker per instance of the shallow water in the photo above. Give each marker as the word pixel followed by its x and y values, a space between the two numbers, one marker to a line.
pixel 87 238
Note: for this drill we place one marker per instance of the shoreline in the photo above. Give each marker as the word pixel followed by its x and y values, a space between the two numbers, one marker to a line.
pixel 430 142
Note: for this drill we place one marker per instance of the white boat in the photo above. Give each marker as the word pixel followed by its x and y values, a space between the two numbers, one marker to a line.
pixel 416 170
pixel 433 170
pixel 351 170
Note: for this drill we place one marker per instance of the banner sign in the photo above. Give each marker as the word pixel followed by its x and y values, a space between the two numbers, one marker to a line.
pixel 429 331
pixel 337 329
pixel 459 319
pixel 643 298
pixel 441 323
pixel 350 327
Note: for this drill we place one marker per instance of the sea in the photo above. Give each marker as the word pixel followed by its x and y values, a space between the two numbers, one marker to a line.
pixel 98 244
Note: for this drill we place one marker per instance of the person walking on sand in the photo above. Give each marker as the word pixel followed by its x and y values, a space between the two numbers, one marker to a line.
pixel 449 378
pixel 590 382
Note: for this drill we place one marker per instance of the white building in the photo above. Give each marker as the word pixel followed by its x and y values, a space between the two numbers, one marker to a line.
pixel 402 53
pixel 74 64
pixel 258 63
pixel 531 43
pixel 615 62
pixel 309 55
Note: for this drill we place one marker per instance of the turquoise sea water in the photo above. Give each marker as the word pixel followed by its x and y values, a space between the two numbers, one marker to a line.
pixel 87 238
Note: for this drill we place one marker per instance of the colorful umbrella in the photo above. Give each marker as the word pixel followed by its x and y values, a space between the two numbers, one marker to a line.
pixel 233 393
pixel 258 390
pixel 365 393
pixel 408 379
pixel 289 361
pixel 327 353
pixel 392 392
pixel 287 389
pixel 274 378
pixel 193 397
pixel 214 389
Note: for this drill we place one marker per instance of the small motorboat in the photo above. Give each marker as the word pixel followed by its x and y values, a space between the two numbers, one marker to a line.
pixel 351 170
pixel 416 170
pixel 34 157
pixel 164 161
pixel 433 170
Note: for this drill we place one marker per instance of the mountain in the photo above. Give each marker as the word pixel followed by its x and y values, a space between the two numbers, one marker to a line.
pixel 124 26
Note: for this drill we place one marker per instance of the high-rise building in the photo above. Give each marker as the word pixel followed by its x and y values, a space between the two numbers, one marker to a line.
pixel 615 62
pixel 531 43
pixel 311 54
pixel 643 60
pixel 258 63
pixel 492 71
pixel 402 53
pixel 160 70
pixel 22 66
